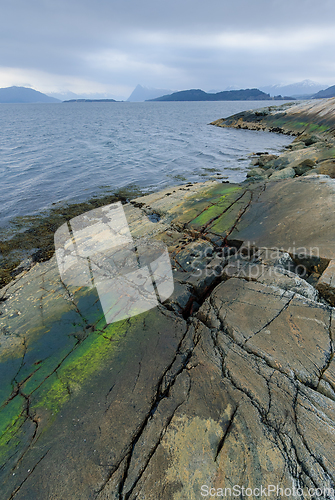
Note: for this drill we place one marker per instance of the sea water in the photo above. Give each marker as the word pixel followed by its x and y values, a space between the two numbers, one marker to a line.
pixel 69 152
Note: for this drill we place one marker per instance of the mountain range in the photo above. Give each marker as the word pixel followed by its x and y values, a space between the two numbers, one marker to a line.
pixel 24 95
pixel 304 89
pixel 300 90
pixel 228 95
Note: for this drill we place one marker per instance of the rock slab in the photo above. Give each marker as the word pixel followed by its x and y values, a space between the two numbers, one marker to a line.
pixel 230 382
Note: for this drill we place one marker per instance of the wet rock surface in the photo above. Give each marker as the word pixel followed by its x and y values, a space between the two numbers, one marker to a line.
pixel 229 382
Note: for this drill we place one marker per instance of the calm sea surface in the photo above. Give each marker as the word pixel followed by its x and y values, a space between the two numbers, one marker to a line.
pixel 53 153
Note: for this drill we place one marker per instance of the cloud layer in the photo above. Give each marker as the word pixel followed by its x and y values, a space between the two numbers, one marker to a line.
pixel 109 47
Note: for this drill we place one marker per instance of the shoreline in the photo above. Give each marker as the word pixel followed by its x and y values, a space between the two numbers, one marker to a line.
pixel 30 239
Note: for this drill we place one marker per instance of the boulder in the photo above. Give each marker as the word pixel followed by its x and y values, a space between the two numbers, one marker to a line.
pixel 304 166
pixel 309 140
pixel 269 171
pixel 264 159
pixel 254 162
pixel 296 144
pixel 326 283
pixel 326 167
pixel 256 172
pixel 285 173
pixel 282 162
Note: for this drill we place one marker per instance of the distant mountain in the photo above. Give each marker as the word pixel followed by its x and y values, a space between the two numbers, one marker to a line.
pixel 141 94
pixel 304 89
pixel 91 100
pixel 228 95
pixel 330 92
pixel 24 95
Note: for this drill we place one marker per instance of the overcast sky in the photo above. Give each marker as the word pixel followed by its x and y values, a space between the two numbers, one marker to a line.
pixel 109 46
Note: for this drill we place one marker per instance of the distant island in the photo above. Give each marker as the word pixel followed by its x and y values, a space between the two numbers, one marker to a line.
pixel 325 94
pixel 21 95
pixel 227 95
pixel 91 100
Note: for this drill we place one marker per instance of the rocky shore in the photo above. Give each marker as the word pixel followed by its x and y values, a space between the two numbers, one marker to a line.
pixel 229 383
pixel 314 147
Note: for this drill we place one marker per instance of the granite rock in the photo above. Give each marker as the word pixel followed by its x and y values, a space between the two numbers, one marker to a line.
pixel 285 173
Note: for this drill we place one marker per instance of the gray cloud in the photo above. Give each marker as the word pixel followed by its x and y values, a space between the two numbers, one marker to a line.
pixel 112 46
